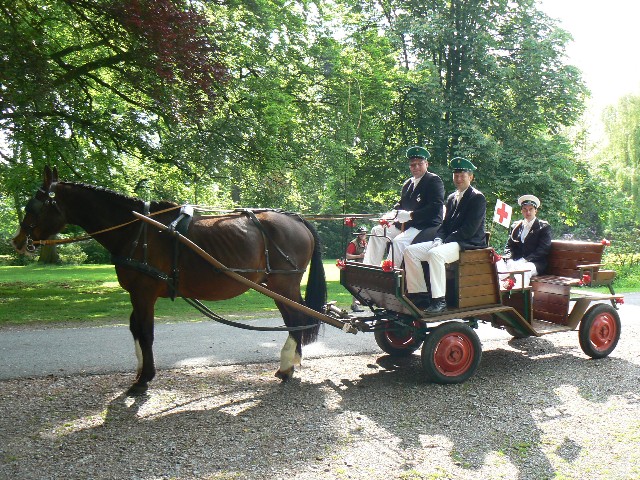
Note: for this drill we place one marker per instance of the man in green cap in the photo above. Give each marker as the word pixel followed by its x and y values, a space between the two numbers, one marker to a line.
pixel 419 207
pixel 462 229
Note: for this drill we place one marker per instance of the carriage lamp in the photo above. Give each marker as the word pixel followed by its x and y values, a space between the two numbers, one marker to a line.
pixel 340 263
pixel 350 222
pixel 387 266
pixel 495 256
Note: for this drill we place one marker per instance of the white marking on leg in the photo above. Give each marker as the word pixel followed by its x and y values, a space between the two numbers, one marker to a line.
pixel 139 357
pixel 288 355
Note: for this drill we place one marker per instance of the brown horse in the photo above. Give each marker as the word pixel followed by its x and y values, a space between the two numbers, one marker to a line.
pixel 267 247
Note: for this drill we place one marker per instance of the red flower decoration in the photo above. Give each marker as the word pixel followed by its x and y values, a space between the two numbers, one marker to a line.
pixel 509 283
pixel 341 264
pixel 495 257
pixel 619 301
pixel 606 242
pixel 387 266
pixel 586 279
pixel 350 222
pixel 384 222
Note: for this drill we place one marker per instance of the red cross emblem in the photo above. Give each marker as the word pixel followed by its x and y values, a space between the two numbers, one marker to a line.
pixel 502 213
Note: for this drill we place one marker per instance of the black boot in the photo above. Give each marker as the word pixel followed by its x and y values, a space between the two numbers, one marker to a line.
pixel 438 305
pixel 420 300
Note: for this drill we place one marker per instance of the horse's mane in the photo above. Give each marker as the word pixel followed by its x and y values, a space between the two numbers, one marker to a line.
pixel 121 198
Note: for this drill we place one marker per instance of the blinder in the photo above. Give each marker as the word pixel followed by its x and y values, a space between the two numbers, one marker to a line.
pixel 34 207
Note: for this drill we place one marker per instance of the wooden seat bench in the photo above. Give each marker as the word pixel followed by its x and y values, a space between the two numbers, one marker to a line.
pixel 570 264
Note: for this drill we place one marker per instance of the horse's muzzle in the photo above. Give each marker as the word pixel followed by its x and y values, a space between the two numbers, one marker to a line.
pixel 21 243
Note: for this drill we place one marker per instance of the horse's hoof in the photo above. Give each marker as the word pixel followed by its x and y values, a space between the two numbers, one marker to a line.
pixel 137 389
pixel 285 375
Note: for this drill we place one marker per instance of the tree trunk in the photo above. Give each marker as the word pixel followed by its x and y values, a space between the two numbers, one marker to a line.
pixel 49 255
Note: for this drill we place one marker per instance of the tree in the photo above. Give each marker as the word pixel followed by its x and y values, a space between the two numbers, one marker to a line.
pixel 622 128
pixel 85 81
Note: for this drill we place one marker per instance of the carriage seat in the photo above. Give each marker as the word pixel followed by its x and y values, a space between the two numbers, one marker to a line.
pixel 570 264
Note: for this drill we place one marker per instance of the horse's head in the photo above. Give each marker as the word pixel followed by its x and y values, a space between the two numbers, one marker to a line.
pixel 43 217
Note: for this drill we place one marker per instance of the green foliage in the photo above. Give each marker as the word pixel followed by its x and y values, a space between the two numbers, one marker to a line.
pixel 308 108
pixel 622 151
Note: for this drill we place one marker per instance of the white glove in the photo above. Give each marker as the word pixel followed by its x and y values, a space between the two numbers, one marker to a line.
pixel 403 216
pixel 389 215
pixel 436 242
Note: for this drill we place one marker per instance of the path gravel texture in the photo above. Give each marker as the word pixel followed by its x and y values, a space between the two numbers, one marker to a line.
pixel 537 408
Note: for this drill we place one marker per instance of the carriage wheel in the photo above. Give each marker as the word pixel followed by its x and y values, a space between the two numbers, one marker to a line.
pixel 599 331
pixel 451 353
pixel 396 340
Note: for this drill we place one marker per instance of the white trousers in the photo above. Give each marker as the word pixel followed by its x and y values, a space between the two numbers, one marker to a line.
pixel 377 244
pixel 515 266
pixel 437 257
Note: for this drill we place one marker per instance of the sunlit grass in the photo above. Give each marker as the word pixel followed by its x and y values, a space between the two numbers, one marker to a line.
pixel 36 294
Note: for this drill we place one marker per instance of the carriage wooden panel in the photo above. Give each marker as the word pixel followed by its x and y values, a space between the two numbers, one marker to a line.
pixel 551 302
pixel 369 278
pixel 374 286
pixel 565 257
pixel 520 300
pixel 476 281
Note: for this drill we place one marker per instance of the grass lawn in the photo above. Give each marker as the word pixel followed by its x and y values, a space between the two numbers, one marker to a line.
pixel 37 295
pixel 51 294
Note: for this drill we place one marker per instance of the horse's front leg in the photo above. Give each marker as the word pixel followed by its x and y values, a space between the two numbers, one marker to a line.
pixel 290 356
pixel 141 327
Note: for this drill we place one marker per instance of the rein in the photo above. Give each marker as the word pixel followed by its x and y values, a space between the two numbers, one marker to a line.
pixel 87 236
pixel 31 244
pixel 202 308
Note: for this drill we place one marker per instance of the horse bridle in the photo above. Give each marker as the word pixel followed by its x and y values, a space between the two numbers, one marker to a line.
pixel 34 207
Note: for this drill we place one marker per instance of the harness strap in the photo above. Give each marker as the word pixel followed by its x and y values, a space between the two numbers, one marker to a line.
pixel 142 231
pixel 202 308
pixel 265 236
pixel 147 270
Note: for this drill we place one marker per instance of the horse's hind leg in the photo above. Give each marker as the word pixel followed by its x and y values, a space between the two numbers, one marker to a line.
pixel 290 356
pixel 141 327
pixel 291 353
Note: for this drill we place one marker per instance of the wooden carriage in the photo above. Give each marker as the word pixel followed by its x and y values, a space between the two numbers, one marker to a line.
pixel 555 302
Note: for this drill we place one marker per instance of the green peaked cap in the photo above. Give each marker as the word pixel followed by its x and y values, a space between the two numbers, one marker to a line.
pixel 418 152
pixel 462 164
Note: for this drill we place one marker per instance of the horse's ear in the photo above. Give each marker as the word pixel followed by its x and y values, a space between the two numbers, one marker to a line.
pixel 48 175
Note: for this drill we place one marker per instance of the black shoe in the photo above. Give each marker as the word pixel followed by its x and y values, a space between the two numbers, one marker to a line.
pixel 420 300
pixel 438 305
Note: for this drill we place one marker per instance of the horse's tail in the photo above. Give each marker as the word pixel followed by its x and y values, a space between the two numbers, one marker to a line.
pixel 316 291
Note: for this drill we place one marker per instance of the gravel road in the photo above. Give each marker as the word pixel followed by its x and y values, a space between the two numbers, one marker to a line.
pixel 537 408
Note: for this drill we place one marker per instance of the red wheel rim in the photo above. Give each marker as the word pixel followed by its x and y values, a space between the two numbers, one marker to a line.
pixel 454 354
pixel 604 331
pixel 402 339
